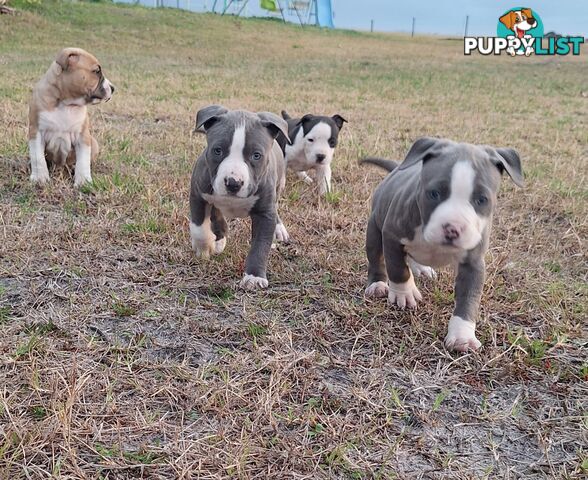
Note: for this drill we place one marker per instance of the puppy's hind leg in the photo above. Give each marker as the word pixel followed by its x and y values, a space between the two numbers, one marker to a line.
pixel 377 286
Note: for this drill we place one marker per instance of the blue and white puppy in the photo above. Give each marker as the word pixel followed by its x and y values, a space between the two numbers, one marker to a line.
pixel 435 209
pixel 240 173
pixel 314 139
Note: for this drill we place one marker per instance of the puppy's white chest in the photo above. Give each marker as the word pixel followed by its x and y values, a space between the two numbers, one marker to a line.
pixel 232 207
pixel 65 118
pixel 429 254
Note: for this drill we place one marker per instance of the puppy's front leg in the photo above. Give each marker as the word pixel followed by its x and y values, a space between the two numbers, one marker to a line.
pixel 402 290
pixel 323 178
pixel 83 174
pixel 263 226
pixel 201 234
pixel 39 170
pixel 304 177
pixel 219 228
pixel 377 277
pixel 461 333
pixel 281 233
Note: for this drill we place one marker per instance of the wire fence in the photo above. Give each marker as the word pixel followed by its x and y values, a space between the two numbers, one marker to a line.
pixel 299 11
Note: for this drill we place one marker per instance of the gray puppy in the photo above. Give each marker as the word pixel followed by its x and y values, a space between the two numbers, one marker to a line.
pixel 432 210
pixel 240 173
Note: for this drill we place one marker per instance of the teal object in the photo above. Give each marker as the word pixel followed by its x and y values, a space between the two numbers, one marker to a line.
pixel 324 13
pixel 537 31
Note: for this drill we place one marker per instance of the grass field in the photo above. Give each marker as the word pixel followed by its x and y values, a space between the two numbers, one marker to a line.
pixel 123 356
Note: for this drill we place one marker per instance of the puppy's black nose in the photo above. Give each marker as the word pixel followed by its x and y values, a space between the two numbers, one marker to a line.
pixel 451 232
pixel 232 185
pixel 112 89
pixel 320 157
pixel 531 21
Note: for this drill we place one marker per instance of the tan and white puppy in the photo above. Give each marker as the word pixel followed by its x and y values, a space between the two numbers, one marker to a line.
pixel 59 127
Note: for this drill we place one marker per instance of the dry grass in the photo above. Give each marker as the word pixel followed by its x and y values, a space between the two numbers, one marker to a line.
pixel 122 356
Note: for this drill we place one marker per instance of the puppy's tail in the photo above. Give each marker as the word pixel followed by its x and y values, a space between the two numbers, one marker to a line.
pixel 387 165
pixel 285 115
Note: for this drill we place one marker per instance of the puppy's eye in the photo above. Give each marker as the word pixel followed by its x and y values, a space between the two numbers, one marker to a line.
pixel 433 194
pixel 217 150
pixel 332 142
pixel 256 157
pixel 97 71
pixel 517 20
pixel 481 200
pixel 310 140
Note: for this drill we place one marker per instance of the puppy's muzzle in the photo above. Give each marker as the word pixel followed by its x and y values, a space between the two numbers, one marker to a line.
pixel 232 185
pixel 451 232
pixel 103 92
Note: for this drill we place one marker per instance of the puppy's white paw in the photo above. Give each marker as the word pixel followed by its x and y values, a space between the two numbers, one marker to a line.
pixel 377 290
pixel 251 282
pixel 40 178
pixel 461 335
pixel 219 245
pixel 305 178
pixel 418 269
pixel 404 294
pixel 324 188
pixel 81 180
pixel 203 240
pixel 281 233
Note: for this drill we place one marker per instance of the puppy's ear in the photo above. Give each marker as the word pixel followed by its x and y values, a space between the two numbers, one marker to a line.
pixel 339 121
pixel 507 159
pixel 527 12
pixel 305 119
pixel 67 57
pixel 285 115
pixel 207 116
pixel 275 125
pixel 422 150
pixel 508 19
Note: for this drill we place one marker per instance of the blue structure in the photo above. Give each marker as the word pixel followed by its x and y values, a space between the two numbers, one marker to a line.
pixel 305 12
pixel 324 13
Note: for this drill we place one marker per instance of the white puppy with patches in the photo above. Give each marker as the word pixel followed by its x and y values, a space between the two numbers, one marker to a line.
pixel 314 139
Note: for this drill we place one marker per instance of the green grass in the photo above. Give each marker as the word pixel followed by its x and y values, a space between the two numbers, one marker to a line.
pixel 4 314
pixel 123 310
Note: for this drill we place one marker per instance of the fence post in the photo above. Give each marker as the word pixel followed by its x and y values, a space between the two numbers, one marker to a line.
pixel 372 27
pixel 412 32
pixel 465 33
